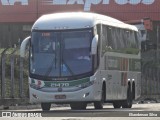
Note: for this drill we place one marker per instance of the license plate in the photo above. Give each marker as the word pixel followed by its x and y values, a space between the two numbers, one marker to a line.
pixel 60 96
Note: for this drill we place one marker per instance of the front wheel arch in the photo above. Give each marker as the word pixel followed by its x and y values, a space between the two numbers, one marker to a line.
pixel 99 104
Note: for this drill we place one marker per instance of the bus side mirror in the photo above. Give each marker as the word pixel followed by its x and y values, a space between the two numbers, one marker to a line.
pixel 23 46
pixel 94 45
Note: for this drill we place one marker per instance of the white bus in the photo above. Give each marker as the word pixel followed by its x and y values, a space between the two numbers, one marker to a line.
pixel 79 58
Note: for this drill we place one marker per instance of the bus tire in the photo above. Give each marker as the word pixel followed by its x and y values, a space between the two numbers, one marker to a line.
pixel 45 106
pixel 117 104
pixel 128 103
pixel 99 104
pixel 78 106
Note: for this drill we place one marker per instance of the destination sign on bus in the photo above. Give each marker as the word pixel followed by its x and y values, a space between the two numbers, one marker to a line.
pixel 46 34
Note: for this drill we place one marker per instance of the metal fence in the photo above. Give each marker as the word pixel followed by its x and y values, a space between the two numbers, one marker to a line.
pixel 150 82
pixel 14 81
pixel 14 77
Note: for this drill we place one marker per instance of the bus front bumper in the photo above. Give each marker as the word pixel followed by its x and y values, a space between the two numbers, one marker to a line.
pixel 87 94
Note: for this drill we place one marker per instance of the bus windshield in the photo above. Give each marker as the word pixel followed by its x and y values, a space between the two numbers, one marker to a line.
pixel 61 54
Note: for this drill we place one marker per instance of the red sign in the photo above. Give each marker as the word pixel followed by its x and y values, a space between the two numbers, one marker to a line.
pixel 30 10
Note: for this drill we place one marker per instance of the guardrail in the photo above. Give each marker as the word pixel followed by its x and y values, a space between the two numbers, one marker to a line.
pixel 14 82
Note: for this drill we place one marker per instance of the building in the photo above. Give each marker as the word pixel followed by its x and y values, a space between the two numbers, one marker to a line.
pixel 17 16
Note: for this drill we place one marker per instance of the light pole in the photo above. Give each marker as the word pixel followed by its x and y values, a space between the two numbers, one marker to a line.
pixel 157 55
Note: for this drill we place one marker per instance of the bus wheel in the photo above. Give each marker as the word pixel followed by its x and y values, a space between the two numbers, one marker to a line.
pixel 117 104
pixel 128 103
pixel 45 106
pixel 78 106
pixel 99 104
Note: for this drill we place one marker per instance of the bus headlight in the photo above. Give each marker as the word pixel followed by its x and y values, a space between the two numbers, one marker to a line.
pixel 84 85
pixel 85 95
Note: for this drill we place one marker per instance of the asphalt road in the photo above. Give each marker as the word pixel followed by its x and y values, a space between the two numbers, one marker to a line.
pixel 147 111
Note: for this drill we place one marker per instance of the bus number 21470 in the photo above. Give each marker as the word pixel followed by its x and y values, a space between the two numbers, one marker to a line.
pixel 59 84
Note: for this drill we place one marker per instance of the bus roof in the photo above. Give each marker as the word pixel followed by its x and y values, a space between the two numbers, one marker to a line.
pixel 77 20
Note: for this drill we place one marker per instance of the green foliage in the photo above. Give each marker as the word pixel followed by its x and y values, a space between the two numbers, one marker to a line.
pixel 16 74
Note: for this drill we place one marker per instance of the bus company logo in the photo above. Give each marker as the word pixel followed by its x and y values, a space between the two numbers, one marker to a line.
pixel 59 89
pixel 87 3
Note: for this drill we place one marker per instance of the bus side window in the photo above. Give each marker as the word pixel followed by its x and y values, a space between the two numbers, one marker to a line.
pixel 131 42
pixel 137 39
pixel 104 39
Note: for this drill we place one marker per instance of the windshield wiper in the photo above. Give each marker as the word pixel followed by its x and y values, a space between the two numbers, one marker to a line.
pixel 69 69
pixel 51 66
pixel 54 61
